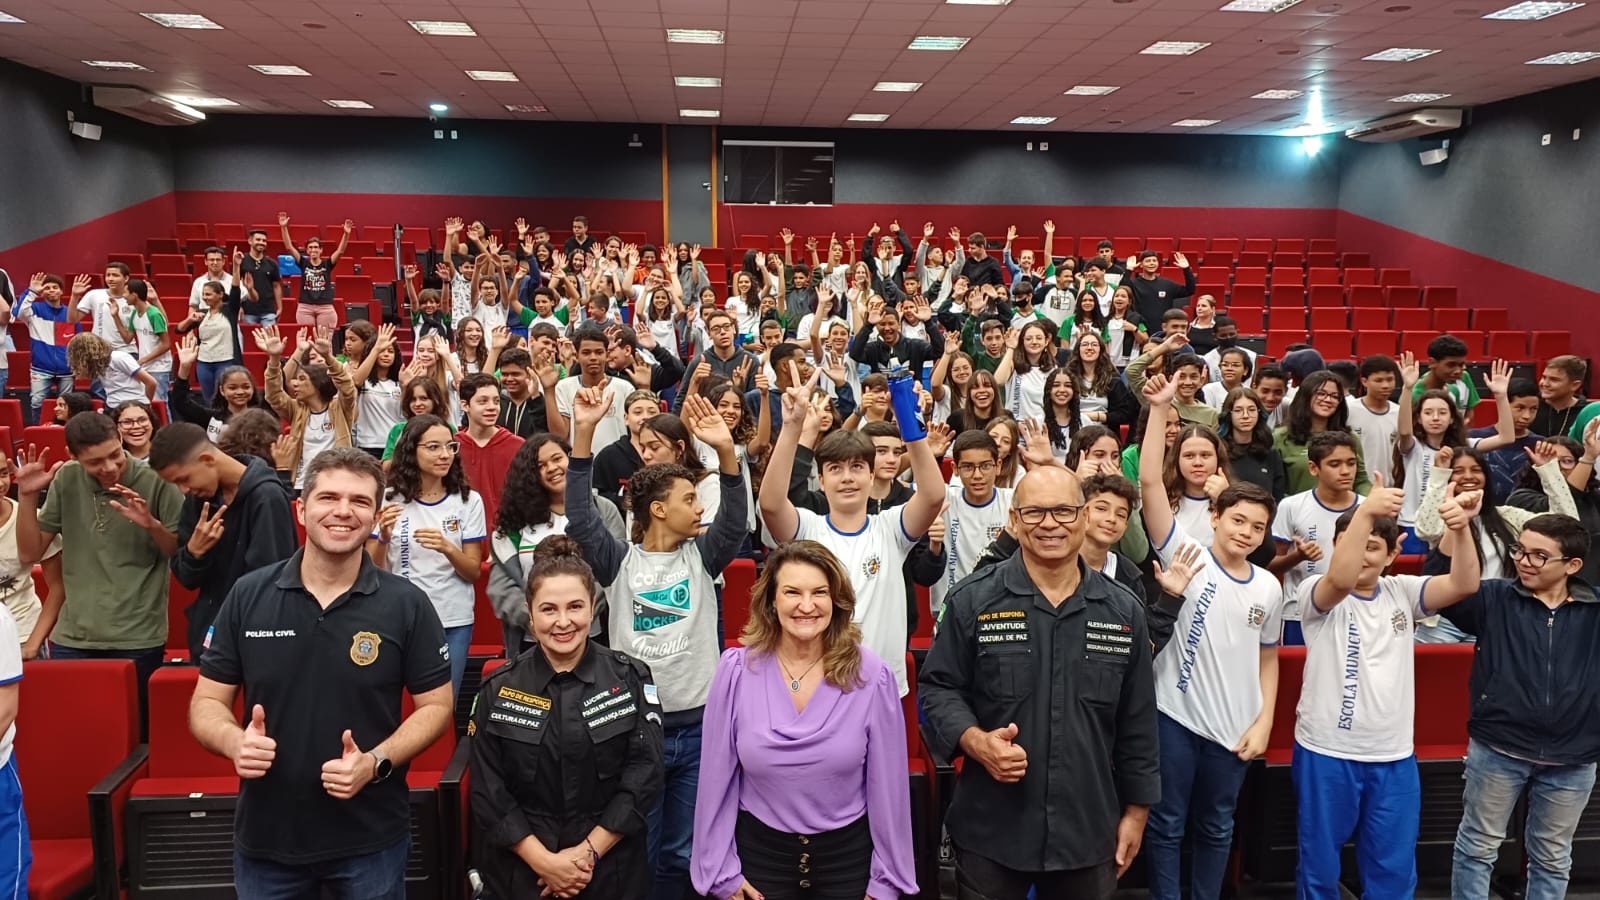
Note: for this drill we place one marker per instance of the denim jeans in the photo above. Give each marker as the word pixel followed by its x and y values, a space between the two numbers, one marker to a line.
pixel 42 385
pixel 145 663
pixel 264 319
pixel 371 876
pixel 672 821
pixel 209 373
pixel 163 386
pixel 1200 782
pixel 458 639
pixel 1557 796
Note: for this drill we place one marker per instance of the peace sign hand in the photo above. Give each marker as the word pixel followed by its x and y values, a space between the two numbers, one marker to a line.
pixel 207 531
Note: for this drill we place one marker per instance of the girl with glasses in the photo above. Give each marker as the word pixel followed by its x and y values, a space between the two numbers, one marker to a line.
pixel 1318 405
pixel 431 529
pixel 1582 486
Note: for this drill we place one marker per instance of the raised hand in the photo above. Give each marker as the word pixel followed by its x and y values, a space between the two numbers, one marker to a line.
pixel 322 340
pixel 894 227
pixel 1444 458
pixel 36 471
pixel 133 507
pixel 522 226
pixel 256 751
pixel 1036 444
pixel 452 226
pixel 1410 372
pixel 1591 439
pixel 36 283
pixel 1181 261
pixel 348 226
pixel 927 230
pixel 283 219
pixel 442 270
pixel 1185 564
pixel 207 531
pixel 1499 377
pixel 874 310
pixel 1382 502
pixel 955 234
pixel 940 437
pixel 268 339
pixel 1216 482
pixel 936 532
pixel 591 405
pixel 544 366
pixel 1450 511
pixel 189 349
pixel 81 285
pixel 1159 391
pixel 786 236
pixel 1540 453
pixel 1011 233
pixel 284 450
pixel 924 312
pixel 1049 226
pixel 706 423
pixel 694 252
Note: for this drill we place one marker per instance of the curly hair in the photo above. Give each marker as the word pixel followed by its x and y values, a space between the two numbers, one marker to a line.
pixel 649 485
pixel 1297 421
pixel 88 355
pixel 405 476
pixel 841 643
pixel 480 357
pixel 525 501
pixel 745 431
pixel 251 433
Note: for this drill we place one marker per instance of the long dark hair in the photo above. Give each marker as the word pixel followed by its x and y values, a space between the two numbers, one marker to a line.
pixel 1096 317
pixel 1060 433
pixel 1087 437
pixel 405 476
pixel 525 501
pixel 1260 442
pixel 1494 527
pixel 1097 382
pixel 379 373
pixel 1297 421
pixel 219 405
pixel 672 428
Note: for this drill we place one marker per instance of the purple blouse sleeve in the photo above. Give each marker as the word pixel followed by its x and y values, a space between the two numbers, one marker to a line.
pixel 714 864
pixel 894 870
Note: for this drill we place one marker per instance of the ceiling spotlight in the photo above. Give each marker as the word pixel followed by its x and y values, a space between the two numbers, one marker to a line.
pixel 438 107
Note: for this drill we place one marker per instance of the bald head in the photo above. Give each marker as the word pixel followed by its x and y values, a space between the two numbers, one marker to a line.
pixel 1044 498
pixel 1049 486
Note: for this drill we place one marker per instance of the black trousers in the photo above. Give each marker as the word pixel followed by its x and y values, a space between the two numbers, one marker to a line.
pixel 981 878
pixel 833 865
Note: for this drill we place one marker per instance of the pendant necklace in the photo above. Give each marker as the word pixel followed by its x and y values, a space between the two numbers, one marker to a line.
pixel 794 683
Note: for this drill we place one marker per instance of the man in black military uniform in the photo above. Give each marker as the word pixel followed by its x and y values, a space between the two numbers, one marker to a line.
pixel 1040 675
pixel 323 644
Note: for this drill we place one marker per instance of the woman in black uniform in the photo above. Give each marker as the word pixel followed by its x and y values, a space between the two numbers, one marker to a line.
pixel 566 751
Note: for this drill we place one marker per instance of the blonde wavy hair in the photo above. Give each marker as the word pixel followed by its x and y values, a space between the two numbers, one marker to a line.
pixel 841 643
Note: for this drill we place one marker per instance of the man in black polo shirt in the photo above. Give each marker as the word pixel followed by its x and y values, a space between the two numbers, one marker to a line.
pixel 323 645
pixel 263 302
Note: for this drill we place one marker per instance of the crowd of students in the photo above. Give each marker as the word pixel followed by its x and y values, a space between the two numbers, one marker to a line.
pixel 1112 446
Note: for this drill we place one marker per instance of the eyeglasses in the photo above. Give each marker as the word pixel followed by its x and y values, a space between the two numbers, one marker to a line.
pixel 133 423
pixel 1567 462
pixel 722 327
pixel 452 448
pixel 973 468
pixel 1328 395
pixel 1537 558
pixel 1034 515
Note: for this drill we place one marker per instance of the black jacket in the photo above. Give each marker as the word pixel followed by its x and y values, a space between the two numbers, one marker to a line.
pixel 1153 297
pixel 554 755
pixel 526 422
pixel 984 271
pixel 1077 680
pixel 257 530
pixel 1535 676
pixel 664 374
pixel 614 464
pixel 907 351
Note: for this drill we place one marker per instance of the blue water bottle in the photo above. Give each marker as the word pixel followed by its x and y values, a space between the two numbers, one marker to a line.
pixel 907 409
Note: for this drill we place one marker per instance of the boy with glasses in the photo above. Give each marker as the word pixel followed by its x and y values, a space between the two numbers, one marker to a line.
pixel 975 511
pixel 1535 685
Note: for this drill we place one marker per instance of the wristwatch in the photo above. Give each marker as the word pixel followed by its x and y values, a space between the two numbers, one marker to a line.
pixel 381 766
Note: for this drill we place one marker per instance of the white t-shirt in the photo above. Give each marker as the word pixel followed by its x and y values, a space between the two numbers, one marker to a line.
pixel 968 531
pixel 10 673
pixel 1419 466
pixel 1025 394
pixel 1304 516
pixel 1208 679
pixel 1213 361
pixel 1194 518
pixel 615 424
pixel 147 337
pixel 1213 393
pixel 1358 694
pixel 319 436
pixel 16 579
pixel 461 522
pixel 377 412
pixel 1056 304
pixel 120 382
pixel 873 557
pixel 101 305
pixel 1376 433
pixel 490 315
pixel 748 319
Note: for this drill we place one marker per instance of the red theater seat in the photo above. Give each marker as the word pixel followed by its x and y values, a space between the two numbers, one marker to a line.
pixel 168 264
pixel 1250 275
pixel 1258 245
pixel 1359 275
pixel 1125 247
pixel 1375 341
pixel 1491 319
pixel 1474 341
pixel 1327 295
pixel 1438 296
pixel 1194 248
pixel 1449 318
pixel 1322 260
pixel 1416 342
pixel 1213 274
pixel 1286 317
pixel 1278 341
pixel 1403 295
pixel 1323 275
pixel 1163 245
pixel 134 261
pixel 1322 245
pixel 194 236
pixel 1412 320
pixel 1329 317
pixel 739 580
pixel 1507 345
pixel 1546 344
pixel 1332 343
pixel 1251 319
pixel 1356 260
pixel 173 288
pixel 1291 260
pixel 153 246
pixel 1366 295
pixel 1394 277
pixel 231 234
pixel 1286 295
pixel 1248 295
pixel 1290 245
pixel 52 436
pixel 1223 251
pixel 1254 259
pixel 75 789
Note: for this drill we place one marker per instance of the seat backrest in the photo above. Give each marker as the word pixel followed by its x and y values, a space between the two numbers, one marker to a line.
pixel 1443 700
pixel 174 753
pixel 76 721
pixel 739 581
pixel 1291 672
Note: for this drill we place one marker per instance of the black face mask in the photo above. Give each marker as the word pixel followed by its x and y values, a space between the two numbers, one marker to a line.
pixel 1225 343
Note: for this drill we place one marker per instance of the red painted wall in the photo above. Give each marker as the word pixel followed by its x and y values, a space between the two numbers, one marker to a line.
pixel 1536 302
pixel 83 248
pixel 1074 221
pixel 261 207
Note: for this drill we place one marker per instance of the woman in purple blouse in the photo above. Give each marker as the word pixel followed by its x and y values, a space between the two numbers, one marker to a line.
pixel 803 789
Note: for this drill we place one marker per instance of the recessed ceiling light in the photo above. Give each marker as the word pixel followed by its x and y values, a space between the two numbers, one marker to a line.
pixel 928 42
pixel 314 26
pixel 696 81
pixel 1399 54
pixel 184 108
pixel 348 104
pixel 1566 58
pixel 9 19
pixel 870 117
pixel 1033 120
pixel 1397 9
pixel 1527 12
pixel 438 107
pixel 115 64
pixel 447 29
pixel 1276 94
pixel 1417 98
pixel 490 75
pixel 1089 90
pixel 1175 48
pixel 1195 123
pixel 978 2
pixel 197 100
pixel 897 87
pixel 694 36
pixel 1310 129
pixel 525 108
pixel 280 70
pixel 1266 6
pixel 700 113
pixel 182 20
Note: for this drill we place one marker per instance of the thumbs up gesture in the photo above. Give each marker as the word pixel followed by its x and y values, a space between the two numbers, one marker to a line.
pixel 1382 502
pixel 346 776
pixel 1005 761
pixel 256 750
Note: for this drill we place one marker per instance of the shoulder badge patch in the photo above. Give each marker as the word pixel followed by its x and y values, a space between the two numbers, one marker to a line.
pixel 364 648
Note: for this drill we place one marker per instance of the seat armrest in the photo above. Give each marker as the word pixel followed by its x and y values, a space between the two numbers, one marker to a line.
pixel 107 799
pixel 452 814
pixel 940 764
